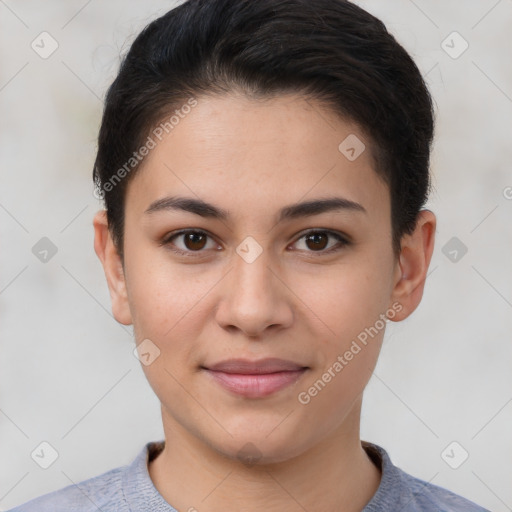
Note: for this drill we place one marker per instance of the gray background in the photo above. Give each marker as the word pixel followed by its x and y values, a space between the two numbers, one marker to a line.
pixel 68 374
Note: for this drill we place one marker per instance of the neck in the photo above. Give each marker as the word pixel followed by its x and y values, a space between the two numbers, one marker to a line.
pixel 334 475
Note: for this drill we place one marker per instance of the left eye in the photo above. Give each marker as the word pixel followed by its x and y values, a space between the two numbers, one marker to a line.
pixel 195 241
pixel 317 241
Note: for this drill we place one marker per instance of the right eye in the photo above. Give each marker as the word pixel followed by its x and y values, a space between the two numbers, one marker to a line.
pixel 193 241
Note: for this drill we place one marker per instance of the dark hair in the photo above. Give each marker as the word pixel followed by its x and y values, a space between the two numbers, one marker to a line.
pixel 328 50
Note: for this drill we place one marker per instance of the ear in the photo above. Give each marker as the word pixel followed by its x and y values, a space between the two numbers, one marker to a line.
pixel 411 270
pixel 113 267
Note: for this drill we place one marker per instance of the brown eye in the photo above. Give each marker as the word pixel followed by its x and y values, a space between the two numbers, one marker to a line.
pixel 195 240
pixel 189 242
pixel 317 241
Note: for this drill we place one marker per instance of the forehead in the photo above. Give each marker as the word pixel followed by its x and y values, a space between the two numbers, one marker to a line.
pixel 246 154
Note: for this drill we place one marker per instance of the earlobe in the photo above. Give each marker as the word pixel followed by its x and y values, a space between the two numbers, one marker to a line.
pixel 113 268
pixel 415 256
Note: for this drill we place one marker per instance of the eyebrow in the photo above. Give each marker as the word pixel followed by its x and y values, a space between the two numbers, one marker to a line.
pixel 294 211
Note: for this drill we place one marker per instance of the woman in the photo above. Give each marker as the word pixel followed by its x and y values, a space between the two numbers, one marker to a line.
pixel 264 166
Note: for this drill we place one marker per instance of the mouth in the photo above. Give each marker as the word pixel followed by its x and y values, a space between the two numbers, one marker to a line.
pixel 255 379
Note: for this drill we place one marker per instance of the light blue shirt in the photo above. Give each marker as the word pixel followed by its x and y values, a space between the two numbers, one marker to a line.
pixel 130 489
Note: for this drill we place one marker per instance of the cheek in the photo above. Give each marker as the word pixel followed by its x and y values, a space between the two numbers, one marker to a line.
pixel 346 305
pixel 345 300
pixel 169 305
pixel 350 305
pixel 162 295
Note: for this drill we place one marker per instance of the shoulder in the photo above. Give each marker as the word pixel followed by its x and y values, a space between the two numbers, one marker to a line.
pixel 399 490
pixel 425 496
pixel 103 492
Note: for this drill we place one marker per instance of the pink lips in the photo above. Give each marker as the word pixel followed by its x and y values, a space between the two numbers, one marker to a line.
pixel 255 379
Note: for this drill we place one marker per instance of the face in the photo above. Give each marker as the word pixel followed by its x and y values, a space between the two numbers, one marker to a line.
pixel 253 276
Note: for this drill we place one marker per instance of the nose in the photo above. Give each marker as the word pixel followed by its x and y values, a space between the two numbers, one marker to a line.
pixel 254 297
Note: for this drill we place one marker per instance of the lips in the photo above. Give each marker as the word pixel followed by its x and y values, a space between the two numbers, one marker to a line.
pixel 245 366
pixel 255 379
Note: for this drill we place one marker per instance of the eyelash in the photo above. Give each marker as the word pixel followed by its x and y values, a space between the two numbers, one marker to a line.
pixel 342 241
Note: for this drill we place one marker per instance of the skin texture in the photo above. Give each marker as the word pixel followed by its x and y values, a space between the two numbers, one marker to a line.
pixel 293 301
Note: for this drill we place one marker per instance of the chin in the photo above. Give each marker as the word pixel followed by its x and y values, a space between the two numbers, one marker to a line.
pixel 256 448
